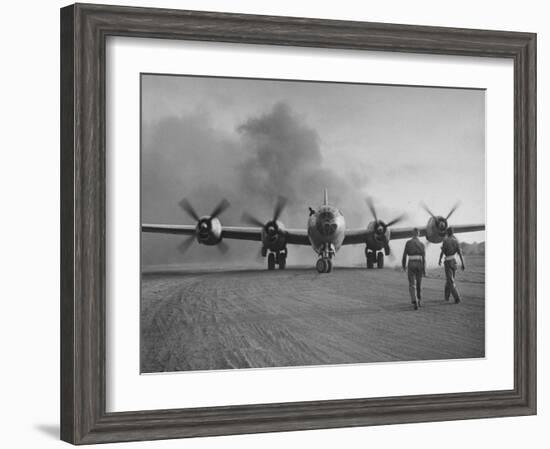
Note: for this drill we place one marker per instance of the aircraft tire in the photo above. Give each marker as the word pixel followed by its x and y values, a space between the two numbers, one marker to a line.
pixel 380 260
pixel 370 260
pixel 271 261
pixel 282 261
pixel 329 265
pixel 321 265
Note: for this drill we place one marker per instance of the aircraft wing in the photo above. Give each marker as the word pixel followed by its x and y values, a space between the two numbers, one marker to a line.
pixel 169 229
pixel 355 236
pixel 297 237
pixel 228 232
pixel 242 233
pixel 358 236
pixel 293 236
pixel 468 228
pixel 405 233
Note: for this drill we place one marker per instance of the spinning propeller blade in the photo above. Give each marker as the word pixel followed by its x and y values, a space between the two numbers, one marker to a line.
pixel 370 204
pixel 396 220
pixel 220 208
pixel 222 247
pixel 277 211
pixel 251 220
pixel 423 205
pixel 452 211
pixel 187 207
pixel 372 209
pixel 186 244
pixel 279 207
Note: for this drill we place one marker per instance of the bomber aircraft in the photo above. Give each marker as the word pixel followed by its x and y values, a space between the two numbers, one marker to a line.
pixel 326 233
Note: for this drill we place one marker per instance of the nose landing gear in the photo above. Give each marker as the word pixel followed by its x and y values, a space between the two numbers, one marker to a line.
pixel 324 263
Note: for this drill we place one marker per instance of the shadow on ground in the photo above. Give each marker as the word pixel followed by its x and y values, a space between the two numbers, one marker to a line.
pixel 50 430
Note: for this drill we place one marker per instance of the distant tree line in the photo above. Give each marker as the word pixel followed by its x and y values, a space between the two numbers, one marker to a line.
pixel 475 249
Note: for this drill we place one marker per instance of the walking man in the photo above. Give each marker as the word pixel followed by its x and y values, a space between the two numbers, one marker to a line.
pixel 416 268
pixel 450 248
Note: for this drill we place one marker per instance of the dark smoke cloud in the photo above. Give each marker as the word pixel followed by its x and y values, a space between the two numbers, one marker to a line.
pixel 184 157
pixel 285 159
pixel 276 153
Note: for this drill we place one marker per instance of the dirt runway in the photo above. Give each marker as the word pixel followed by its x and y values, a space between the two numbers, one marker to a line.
pixel 204 319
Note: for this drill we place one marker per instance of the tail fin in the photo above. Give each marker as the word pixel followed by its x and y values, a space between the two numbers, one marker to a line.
pixel 326 198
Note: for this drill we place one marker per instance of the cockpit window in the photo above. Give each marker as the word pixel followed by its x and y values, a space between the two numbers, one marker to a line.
pixel 326 215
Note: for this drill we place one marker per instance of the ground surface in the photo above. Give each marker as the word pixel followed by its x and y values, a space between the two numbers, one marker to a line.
pixel 203 319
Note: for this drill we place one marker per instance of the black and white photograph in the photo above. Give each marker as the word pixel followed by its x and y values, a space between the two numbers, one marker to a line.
pixel 291 223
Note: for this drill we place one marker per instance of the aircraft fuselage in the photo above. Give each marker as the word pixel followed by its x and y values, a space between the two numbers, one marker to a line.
pixel 326 229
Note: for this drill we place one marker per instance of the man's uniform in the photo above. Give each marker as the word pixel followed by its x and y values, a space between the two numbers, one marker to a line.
pixel 451 249
pixel 416 252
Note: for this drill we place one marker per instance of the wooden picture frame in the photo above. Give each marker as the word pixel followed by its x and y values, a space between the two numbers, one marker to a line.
pixel 84 29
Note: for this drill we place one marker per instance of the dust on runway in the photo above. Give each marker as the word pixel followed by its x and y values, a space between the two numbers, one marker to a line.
pixel 204 319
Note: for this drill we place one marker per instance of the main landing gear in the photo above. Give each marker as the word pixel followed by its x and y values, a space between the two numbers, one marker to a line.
pixel 374 257
pixel 324 263
pixel 277 258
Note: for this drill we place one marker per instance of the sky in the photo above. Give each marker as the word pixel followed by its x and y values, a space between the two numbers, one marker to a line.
pixel 250 140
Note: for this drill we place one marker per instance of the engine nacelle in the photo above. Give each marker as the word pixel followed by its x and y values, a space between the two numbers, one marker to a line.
pixel 436 229
pixel 378 235
pixel 209 231
pixel 273 235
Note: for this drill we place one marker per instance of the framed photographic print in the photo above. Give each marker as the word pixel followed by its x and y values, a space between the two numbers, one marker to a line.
pixel 275 223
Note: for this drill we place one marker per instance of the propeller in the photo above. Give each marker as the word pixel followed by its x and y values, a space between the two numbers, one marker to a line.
pixel 381 226
pixel 186 244
pixel 251 220
pixel 222 247
pixel 220 208
pixel 280 205
pixel 396 220
pixel 427 209
pixel 442 222
pixel 271 227
pixel 187 207
pixel 452 211
pixel 372 209
pixel 204 224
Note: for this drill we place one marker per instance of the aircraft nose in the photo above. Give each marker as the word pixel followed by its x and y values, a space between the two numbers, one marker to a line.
pixel 328 227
